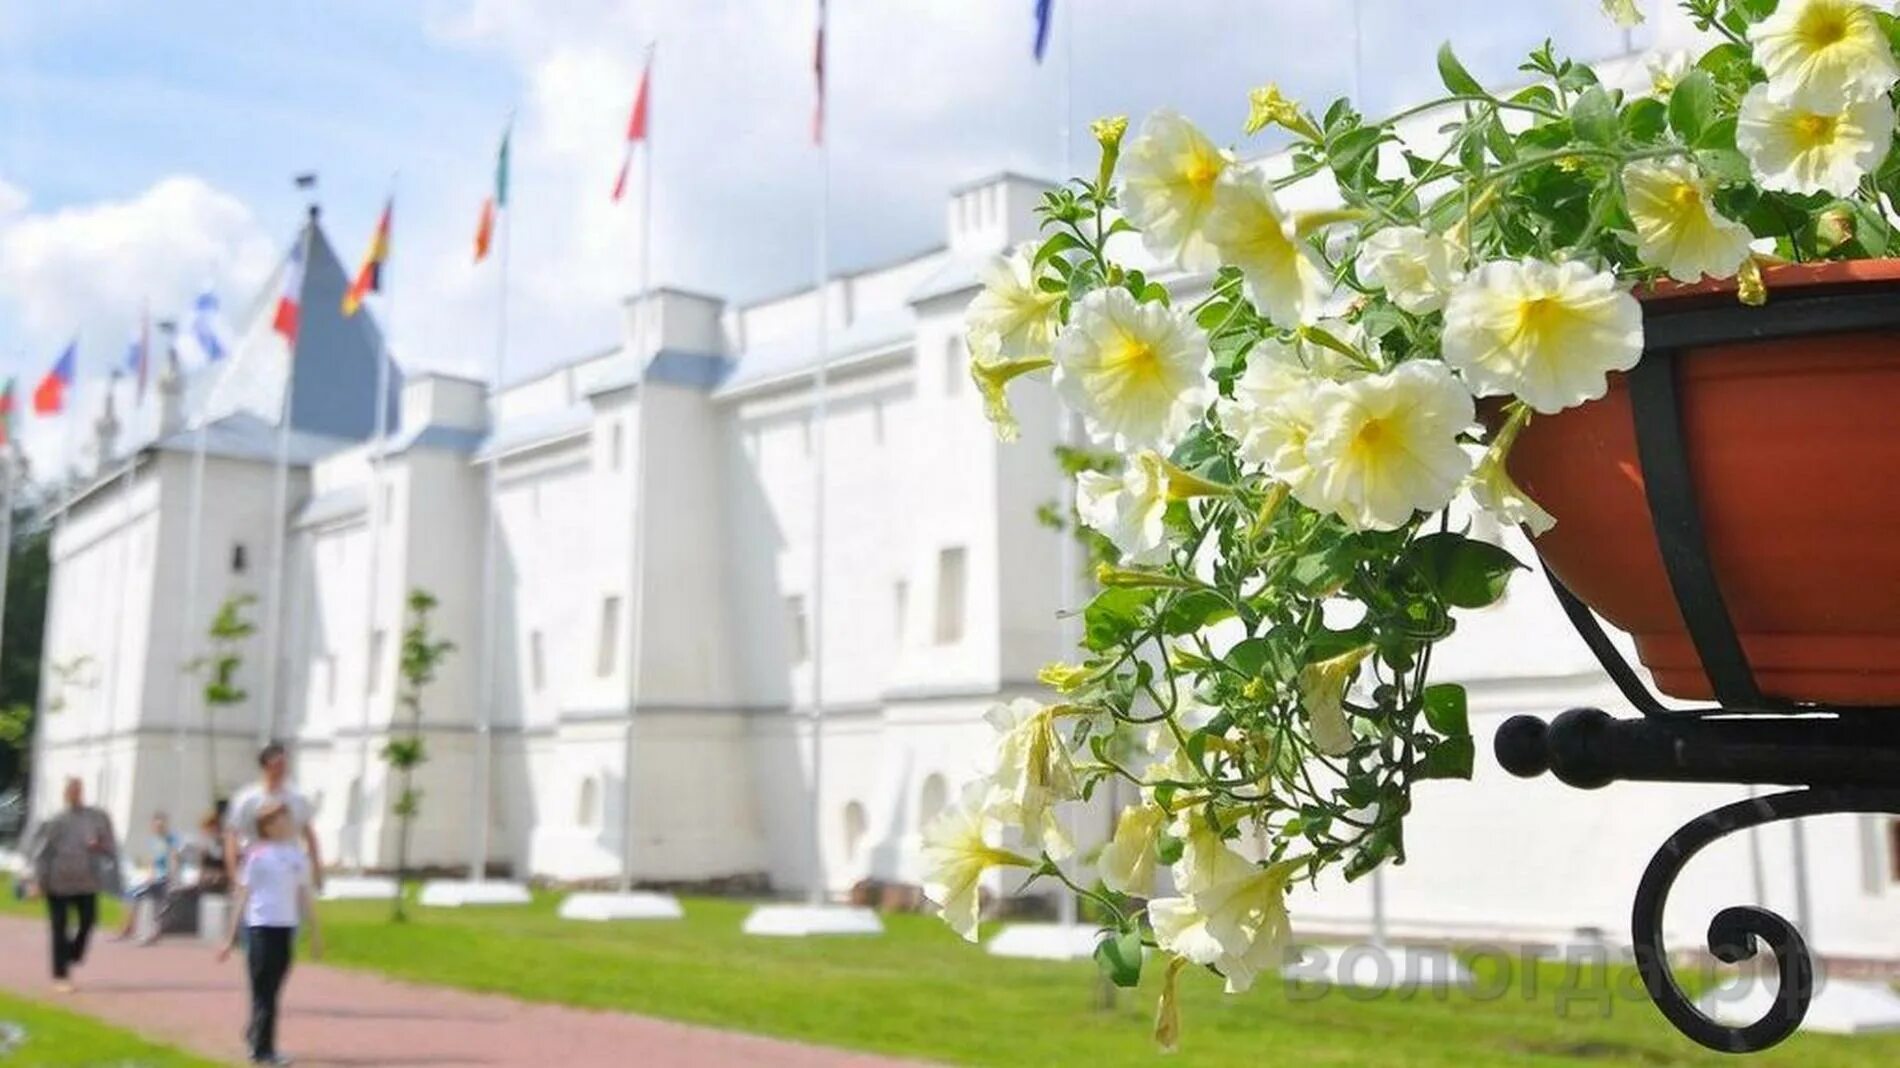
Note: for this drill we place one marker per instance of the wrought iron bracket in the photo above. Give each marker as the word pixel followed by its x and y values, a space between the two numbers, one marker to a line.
pixel 1842 759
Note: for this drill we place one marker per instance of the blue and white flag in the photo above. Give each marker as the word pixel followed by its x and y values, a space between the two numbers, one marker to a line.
pixel 1043 8
pixel 205 327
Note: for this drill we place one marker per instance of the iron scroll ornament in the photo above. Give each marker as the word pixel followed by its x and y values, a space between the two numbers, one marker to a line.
pixel 1735 932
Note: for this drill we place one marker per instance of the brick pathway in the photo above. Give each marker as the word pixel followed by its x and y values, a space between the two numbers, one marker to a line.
pixel 175 992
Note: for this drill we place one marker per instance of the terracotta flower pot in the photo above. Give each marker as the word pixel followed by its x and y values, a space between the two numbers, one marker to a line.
pixel 1793 446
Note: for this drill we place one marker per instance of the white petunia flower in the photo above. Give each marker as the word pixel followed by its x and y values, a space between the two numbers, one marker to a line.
pixel 1273 412
pixel 1323 687
pixel 958 847
pixel 1548 333
pixel 1248 229
pixel 1128 860
pixel 1813 144
pixel 1677 228
pixel 1137 373
pixel 1834 50
pixel 1236 923
pixel 1667 70
pixel 1032 772
pixel 1386 445
pixel 1169 173
pixel 1011 318
pixel 1128 508
pixel 1416 267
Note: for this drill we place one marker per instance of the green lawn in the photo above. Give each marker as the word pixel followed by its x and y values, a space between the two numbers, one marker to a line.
pixel 920 992
pixel 55 1037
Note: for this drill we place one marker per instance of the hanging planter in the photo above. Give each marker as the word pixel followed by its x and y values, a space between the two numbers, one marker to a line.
pixel 1790 432
pixel 1657 328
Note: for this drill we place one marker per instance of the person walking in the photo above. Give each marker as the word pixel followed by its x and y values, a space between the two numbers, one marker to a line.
pixel 164 846
pixel 273 787
pixel 273 899
pixel 75 856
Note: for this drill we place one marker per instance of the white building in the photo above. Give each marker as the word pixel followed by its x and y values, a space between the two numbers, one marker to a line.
pixel 940 598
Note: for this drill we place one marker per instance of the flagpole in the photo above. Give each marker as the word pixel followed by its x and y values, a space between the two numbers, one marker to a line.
pixel 491 534
pixel 375 517
pixel 1067 564
pixel 280 503
pixel 115 669
pixel 194 534
pixel 636 602
pixel 820 401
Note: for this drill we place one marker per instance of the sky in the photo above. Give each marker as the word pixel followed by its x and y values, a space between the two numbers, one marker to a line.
pixel 147 150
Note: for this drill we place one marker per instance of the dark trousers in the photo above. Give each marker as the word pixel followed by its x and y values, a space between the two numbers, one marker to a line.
pixel 269 954
pixel 69 950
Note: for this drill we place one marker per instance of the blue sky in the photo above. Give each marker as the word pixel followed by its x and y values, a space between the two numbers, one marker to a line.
pixel 146 148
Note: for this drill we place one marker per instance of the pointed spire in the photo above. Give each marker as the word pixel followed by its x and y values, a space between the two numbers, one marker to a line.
pixel 106 428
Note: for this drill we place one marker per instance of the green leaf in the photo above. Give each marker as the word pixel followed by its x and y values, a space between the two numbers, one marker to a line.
pixel 1645 119
pixel 1692 105
pixel 1058 243
pixel 1463 573
pixel 1455 76
pixel 1445 709
pixel 1113 616
pixel 1249 656
pixel 1193 610
pixel 1593 116
pixel 1451 758
pixel 1119 957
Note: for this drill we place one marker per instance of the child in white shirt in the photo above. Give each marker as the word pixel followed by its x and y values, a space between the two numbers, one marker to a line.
pixel 273 899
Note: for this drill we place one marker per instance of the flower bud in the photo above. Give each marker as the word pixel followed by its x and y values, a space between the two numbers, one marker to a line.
pixel 1269 108
pixel 1108 132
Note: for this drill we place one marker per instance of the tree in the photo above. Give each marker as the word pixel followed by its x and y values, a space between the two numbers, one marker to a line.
pixel 21 645
pixel 422 656
pixel 229 629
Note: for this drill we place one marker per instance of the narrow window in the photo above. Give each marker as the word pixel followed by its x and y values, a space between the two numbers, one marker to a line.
pixel 950 582
pixel 1893 849
pixel 953 370
pixel 329 680
pixel 935 794
pixel 537 666
pixel 618 446
pixel 877 423
pixel 855 824
pixel 804 430
pixel 377 640
pixel 608 654
pixel 587 808
pixel 389 500
pixel 238 559
pixel 900 607
pixel 797 637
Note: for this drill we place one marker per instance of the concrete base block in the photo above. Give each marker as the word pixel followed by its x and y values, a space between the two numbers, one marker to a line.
pixel 800 921
pixel 1045 941
pixel 457 893
pixel 636 905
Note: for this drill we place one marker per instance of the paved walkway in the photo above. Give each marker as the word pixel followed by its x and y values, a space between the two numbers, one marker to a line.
pixel 176 992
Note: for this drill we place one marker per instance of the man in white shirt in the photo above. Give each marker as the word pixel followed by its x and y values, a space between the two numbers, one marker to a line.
pixel 240 825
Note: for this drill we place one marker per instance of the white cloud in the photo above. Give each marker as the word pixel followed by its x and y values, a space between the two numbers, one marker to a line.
pixel 87 271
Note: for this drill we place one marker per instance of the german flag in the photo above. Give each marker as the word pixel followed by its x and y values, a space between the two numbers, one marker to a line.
pixel 369 277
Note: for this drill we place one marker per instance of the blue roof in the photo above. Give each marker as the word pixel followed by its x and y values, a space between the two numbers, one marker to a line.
pixel 780 360
pixel 673 367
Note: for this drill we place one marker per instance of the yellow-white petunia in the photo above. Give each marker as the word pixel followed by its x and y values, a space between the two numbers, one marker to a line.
pixel 1495 491
pixel 1667 70
pixel 1128 860
pixel 1251 232
pixel 1548 333
pixel 1835 50
pixel 1031 771
pixel 1137 373
pixel 1127 508
pixel 1235 923
pixel 1624 13
pixel 1011 317
pixel 1415 267
pixel 1812 144
pixel 1323 686
pixel 1169 173
pixel 1677 227
pixel 1386 445
pixel 958 847
pixel 1272 413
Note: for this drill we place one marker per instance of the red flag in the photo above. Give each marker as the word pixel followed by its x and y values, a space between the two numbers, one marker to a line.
pixel 818 74
pixel 49 397
pixel 636 128
pixel 285 321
